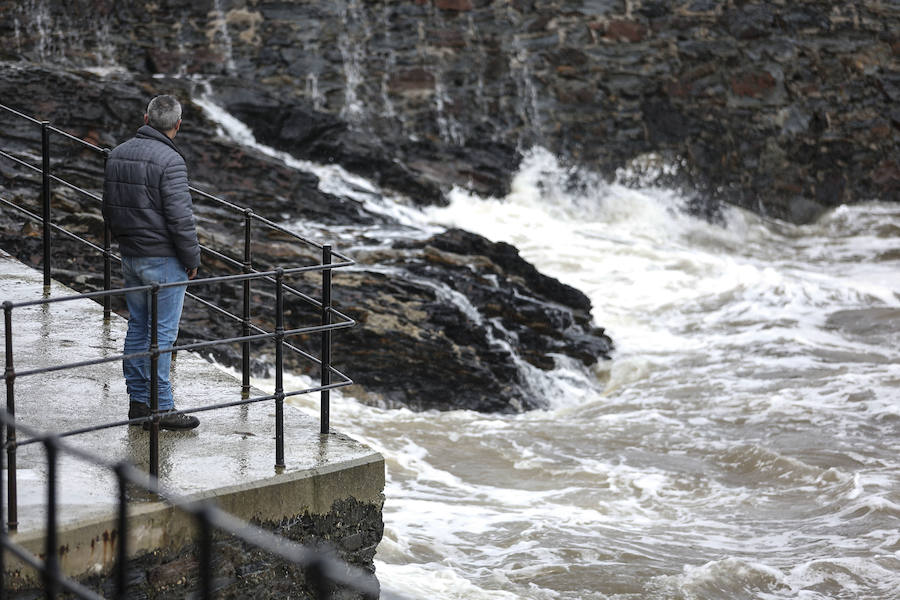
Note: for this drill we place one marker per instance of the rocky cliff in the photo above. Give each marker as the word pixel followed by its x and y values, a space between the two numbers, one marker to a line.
pixel 447 319
pixel 785 108
pixel 782 107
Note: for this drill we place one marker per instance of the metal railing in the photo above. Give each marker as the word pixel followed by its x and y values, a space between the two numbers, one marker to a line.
pixel 330 319
pixel 322 574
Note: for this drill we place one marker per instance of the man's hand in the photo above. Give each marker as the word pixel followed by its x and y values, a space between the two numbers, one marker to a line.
pixel 191 273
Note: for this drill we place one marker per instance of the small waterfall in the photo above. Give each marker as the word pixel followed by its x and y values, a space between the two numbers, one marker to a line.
pixel 353 52
pixel 537 383
pixel 42 24
pixel 449 127
pixel 220 27
pixel 353 109
pixel 390 64
pixel 473 43
pixel 17 35
pixel 527 102
pixel 311 87
pixel 82 43
pixel 182 66
pixel 312 91
pixel 105 52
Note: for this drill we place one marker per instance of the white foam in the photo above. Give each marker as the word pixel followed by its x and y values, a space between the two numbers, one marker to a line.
pixel 333 179
pixel 734 437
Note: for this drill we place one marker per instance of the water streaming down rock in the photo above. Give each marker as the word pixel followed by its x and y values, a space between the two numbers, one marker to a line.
pixel 40 19
pixel 535 317
pixel 312 91
pixel 598 83
pixel 527 104
pixel 45 33
pixel 476 47
pixel 352 44
pixel 219 34
pixel 106 52
pixel 389 110
pixel 450 129
pixel 17 34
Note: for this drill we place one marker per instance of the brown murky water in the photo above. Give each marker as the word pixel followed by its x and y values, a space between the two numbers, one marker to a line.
pixel 742 444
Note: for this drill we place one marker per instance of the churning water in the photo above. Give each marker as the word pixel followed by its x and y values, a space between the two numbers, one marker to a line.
pixel 743 442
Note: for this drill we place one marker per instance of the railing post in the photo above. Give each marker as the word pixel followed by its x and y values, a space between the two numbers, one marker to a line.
pixel 204 542
pixel 45 198
pixel 317 581
pixel 107 257
pixel 51 558
pixel 154 380
pixel 10 374
pixel 4 537
pixel 245 328
pixel 122 548
pixel 279 368
pixel 325 396
pixel 107 272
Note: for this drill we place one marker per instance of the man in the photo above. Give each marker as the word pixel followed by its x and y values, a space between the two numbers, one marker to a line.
pixel 148 207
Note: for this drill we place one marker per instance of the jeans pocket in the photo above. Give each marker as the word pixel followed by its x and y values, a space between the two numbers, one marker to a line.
pixel 153 269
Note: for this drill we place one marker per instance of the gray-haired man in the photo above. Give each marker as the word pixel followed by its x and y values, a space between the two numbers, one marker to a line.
pixel 148 207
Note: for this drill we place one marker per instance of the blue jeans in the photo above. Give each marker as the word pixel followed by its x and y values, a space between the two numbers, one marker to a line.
pixel 145 270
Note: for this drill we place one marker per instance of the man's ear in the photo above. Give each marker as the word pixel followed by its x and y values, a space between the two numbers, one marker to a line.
pixel 178 125
pixel 146 119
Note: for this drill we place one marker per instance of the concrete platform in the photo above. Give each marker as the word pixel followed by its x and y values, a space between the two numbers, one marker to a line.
pixel 230 457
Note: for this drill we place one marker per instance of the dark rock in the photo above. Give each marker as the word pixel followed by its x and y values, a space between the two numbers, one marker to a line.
pixel 414 80
pixel 839 55
pixel 599 8
pixel 666 124
pixel 460 312
pixel 803 210
pixel 457 5
pixel 457 320
pixel 317 136
pixel 780 107
pixel 755 84
pixel 629 31
pixel 750 21
pixel 653 9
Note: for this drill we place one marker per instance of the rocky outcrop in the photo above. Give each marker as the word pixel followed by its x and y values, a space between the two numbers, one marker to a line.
pixel 781 107
pixel 462 314
pixel 447 321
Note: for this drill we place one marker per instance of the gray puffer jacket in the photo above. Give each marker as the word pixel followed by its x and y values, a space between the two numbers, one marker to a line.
pixel 146 201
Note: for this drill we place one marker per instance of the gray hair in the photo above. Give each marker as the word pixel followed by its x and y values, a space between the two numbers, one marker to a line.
pixel 163 113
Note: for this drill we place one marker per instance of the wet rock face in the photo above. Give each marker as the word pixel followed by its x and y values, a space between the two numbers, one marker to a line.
pixel 463 316
pixel 444 322
pixel 782 107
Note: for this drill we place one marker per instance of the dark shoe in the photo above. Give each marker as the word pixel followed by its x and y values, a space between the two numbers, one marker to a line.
pixel 169 419
pixel 137 410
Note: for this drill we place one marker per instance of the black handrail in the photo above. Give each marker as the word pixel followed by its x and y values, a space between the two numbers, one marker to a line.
pixel 326 309
pixel 330 320
pixel 207 515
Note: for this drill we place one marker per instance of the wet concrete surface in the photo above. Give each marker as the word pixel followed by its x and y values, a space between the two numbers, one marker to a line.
pixel 231 454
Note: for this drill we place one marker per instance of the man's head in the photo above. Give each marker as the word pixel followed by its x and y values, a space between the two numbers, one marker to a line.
pixel 164 114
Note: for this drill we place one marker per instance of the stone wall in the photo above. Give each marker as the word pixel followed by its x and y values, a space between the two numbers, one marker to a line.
pixel 780 106
pixel 350 532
